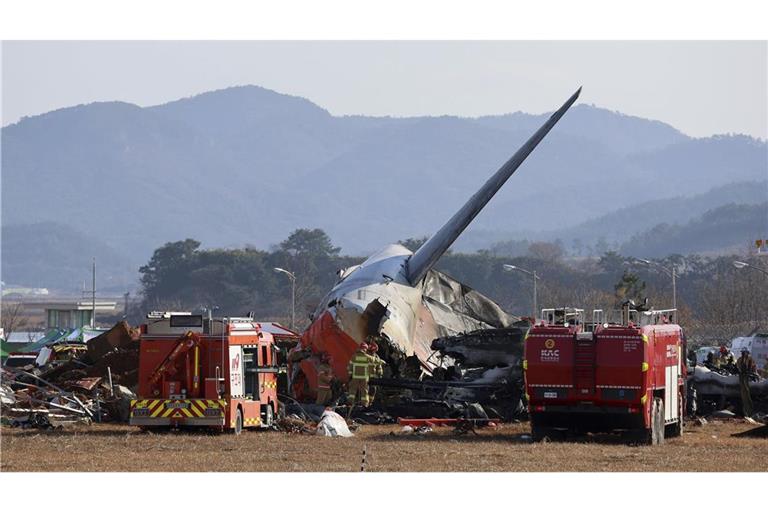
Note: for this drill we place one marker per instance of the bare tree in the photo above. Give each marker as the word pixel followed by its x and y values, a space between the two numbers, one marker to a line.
pixel 546 251
pixel 13 317
pixel 581 296
pixel 733 303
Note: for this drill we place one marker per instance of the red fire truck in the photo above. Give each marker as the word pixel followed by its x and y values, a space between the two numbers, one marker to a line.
pixel 196 372
pixel 600 376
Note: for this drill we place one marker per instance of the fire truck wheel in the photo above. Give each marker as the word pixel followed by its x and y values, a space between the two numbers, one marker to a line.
pixel 238 422
pixel 269 416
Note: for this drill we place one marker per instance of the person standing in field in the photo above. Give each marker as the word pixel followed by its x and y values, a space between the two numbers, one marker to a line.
pixel 360 370
pixel 745 366
pixel 324 379
pixel 377 370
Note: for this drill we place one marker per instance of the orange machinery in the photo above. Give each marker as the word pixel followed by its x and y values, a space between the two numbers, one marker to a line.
pixel 196 372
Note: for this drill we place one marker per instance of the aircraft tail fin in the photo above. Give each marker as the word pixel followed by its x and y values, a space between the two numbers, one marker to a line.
pixel 428 254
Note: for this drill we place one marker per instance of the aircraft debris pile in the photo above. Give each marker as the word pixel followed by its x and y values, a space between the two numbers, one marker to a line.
pixel 315 420
pixel 408 430
pixel 479 375
pixel 717 390
pixel 93 386
pixel 294 424
pixel 460 426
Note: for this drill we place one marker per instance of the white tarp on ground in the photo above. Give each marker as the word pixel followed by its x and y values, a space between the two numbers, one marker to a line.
pixel 333 425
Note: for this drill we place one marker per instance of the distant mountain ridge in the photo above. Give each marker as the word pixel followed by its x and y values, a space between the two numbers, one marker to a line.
pixel 247 165
pixel 621 133
pixel 52 255
pixel 625 222
pixel 622 224
pixel 731 227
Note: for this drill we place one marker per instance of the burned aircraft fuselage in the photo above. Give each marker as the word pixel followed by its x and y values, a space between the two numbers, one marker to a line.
pixel 397 294
pixel 376 299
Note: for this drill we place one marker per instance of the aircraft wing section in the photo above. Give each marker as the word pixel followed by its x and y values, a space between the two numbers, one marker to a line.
pixel 428 254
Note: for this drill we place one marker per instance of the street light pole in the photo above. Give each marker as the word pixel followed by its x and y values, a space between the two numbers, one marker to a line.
pixel 535 277
pixel 741 264
pixel 292 277
pixel 670 272
pixel 293 303
pixel 93 296
pixel 674 288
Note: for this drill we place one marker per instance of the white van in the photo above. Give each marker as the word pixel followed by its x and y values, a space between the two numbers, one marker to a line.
pixel 757 344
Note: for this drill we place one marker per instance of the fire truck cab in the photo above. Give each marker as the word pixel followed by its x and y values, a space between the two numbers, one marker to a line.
pixel 627 373
pixel 215 372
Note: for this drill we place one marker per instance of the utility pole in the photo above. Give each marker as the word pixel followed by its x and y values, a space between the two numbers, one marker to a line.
pixel 93 296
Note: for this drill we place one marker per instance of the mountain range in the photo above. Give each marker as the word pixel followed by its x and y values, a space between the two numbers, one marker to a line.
pixel 247 165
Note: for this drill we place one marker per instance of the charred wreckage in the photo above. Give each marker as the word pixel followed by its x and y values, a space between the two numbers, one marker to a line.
pixel 444 344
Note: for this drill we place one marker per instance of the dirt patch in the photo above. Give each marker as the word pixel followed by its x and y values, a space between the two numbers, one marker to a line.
pixel 712 447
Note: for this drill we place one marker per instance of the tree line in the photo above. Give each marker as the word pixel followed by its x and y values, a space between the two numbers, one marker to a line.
pixel 715 300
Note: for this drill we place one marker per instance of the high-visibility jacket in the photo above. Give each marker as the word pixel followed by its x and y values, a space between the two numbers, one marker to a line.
pixel 378 365
pixel 361 365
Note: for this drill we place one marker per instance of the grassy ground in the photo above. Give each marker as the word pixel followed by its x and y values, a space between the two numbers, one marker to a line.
pixel 122 448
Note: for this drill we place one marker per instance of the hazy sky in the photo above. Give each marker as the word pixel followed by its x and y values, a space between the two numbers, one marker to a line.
pixel 701 88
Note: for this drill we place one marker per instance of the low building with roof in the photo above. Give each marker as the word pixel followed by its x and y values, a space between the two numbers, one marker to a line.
pixel 73 314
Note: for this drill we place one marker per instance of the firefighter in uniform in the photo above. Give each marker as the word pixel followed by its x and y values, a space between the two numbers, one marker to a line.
pixel 711 362
pixel 377 369
pixel 727 361
pixel 359 369
pixel 324 378
pixel 746 366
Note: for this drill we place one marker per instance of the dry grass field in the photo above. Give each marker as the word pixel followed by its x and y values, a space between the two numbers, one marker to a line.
pixel 711 447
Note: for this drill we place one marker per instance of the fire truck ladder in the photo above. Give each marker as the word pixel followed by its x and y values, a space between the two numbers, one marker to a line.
pixel 584 363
